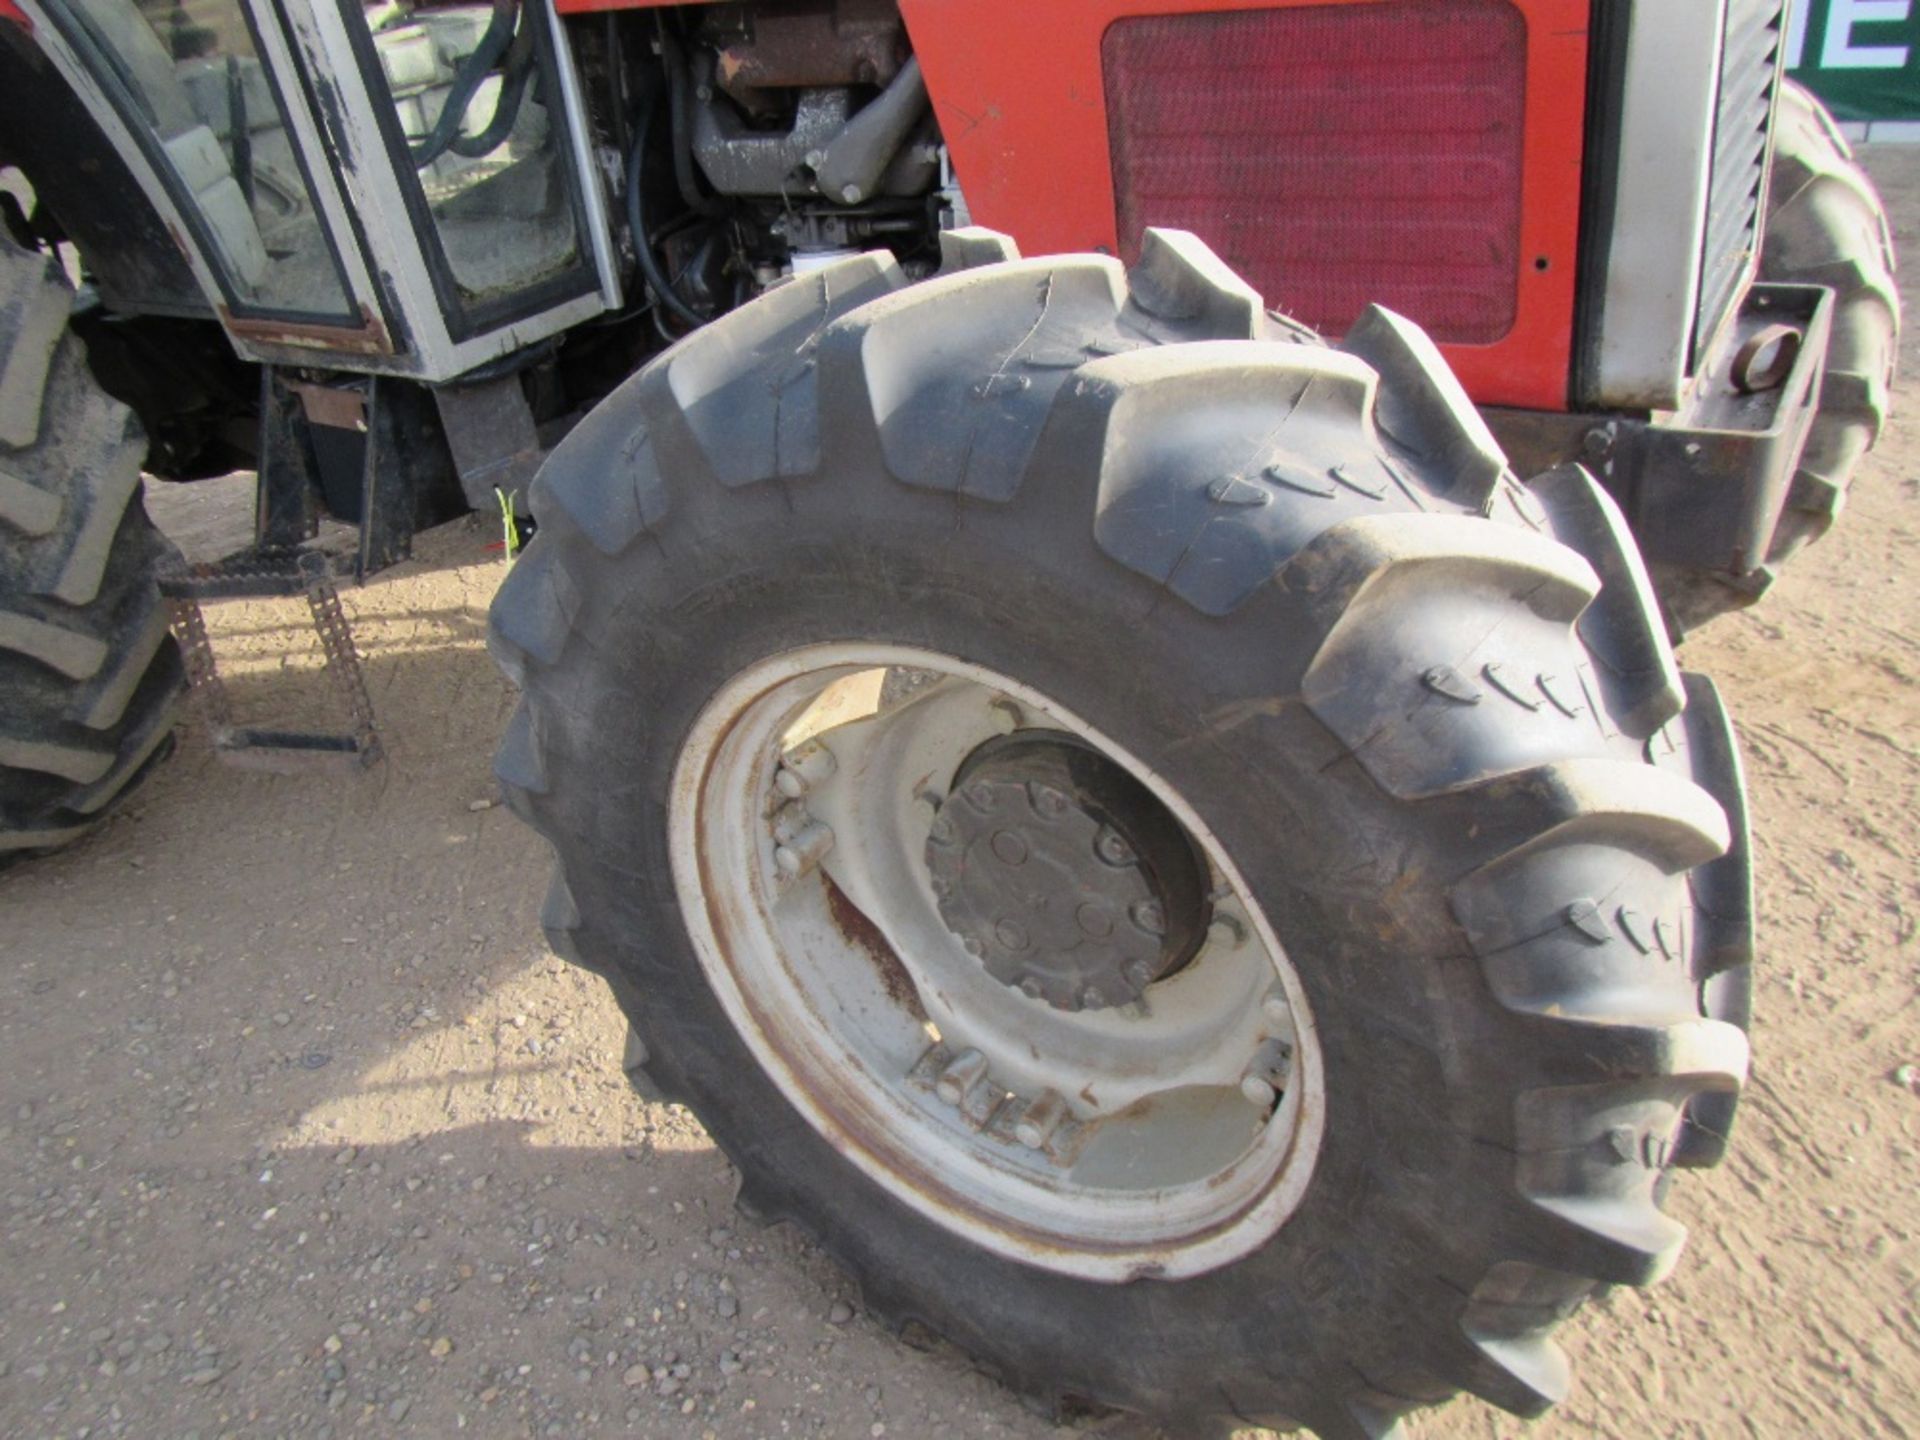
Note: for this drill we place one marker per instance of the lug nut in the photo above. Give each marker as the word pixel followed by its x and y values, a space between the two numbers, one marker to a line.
pixel 1151 917
pixel 803 849
pixel 1139 974
pixel 1047 802
pixel 966 1070
pixel 1265 1080
pixel 1274 1006
pixel 1112 847
pixel 802 768
pixel 1226 932
pixel 1037 1123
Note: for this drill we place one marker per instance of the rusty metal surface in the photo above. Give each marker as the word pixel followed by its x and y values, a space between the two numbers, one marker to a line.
pixel 829 43
pixel 368 338
pixel 337 407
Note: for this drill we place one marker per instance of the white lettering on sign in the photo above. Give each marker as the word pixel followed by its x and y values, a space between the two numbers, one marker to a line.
pixel 1840 52
pixel 1797 33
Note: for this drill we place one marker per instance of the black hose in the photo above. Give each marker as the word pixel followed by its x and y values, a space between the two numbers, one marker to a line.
pixel 637 222
pixel 679 103
pixel 506 109
pixel 473 70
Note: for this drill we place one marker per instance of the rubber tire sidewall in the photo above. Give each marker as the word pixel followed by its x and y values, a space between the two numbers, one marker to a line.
pixel 1389 1227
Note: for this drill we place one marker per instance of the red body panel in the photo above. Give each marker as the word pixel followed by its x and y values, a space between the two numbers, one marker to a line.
pixel 1020 94
pixel 11 11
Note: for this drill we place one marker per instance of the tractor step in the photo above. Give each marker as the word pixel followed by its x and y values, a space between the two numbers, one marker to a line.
pixel 262 574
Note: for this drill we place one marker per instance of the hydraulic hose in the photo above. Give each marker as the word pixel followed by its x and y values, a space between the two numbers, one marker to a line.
pixel 680 101
pixel 506 110
pixel 473 70
pixel 650 266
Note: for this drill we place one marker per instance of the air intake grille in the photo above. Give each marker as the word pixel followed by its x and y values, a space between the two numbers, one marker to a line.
pixel 1749 75
pixel 1334 154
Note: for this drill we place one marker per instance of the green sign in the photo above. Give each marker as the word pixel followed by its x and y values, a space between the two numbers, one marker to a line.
pixel 1861 56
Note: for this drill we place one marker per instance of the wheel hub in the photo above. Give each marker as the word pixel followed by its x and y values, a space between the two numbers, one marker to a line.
pixel 1063 874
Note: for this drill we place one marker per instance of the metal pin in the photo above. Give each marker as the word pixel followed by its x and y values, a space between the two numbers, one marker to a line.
pixel 806 848
pixel 966 1070
pixel 806 765
pixel 1037 1123
pixel 1265 1079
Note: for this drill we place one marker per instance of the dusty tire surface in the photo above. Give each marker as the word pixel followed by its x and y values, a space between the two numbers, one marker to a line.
pixel 1432 715
pixel 88 672
pixel 1826 225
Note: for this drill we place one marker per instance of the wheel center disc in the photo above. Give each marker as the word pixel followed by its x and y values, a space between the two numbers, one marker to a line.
pixel 1063 874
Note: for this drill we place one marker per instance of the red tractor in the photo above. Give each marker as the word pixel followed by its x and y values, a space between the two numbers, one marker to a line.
pixel 1143 795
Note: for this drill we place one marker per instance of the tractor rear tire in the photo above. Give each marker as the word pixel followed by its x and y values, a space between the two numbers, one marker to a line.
pixel 88 670
pixel 1429 715
pixel 1826 225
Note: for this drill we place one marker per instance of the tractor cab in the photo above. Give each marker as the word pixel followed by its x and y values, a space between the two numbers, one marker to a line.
pixel 295 151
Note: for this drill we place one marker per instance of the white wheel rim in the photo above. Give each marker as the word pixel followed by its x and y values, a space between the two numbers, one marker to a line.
pixel 854 997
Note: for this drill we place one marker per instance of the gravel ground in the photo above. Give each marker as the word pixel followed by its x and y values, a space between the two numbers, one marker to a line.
pixel 304 1133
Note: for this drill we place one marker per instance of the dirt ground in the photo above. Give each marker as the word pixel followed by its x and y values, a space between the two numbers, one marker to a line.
pixel 305 1133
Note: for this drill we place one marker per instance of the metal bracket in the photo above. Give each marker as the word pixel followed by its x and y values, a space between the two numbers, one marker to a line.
pixel 260 574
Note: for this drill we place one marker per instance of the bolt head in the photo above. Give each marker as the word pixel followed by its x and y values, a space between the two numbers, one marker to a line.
pixel 1259 1092
pixel 1091 998
pixel 1030 988
pixel 1150 916
pixel 980 795
pixel 850 194
pixel 1139 974
pixel 1275 1007
pixel 789 784
pixel 941 832
pixel 1112 847
pixel 1047 802
pixel 787 859
pixel 1226 932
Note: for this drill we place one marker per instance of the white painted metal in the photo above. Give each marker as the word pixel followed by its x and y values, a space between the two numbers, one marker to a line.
pixel 592 186
pixel 321 33
pixel 1129 1144
pixel 1659 225
pixel 373 192
pixel 48 39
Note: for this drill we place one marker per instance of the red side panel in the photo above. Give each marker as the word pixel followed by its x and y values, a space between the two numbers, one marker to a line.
pixel 12 12
pixel 1423 153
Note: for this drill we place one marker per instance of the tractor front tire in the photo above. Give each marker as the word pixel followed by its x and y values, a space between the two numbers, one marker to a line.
pixel 1420 723
pixel 88 671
